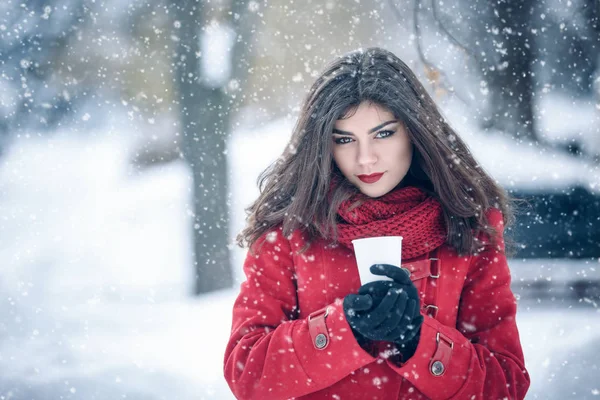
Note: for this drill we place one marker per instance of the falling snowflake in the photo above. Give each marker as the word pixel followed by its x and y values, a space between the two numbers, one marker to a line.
pixel 271 237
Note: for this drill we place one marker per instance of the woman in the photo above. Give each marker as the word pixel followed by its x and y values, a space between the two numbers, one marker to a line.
pixel 371 155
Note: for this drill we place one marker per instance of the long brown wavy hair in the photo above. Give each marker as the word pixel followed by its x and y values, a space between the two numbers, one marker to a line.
pixel 294 189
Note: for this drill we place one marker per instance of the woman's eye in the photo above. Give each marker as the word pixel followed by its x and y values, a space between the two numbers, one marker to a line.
pixel 343 140
pixel 385 133
pixel 380 135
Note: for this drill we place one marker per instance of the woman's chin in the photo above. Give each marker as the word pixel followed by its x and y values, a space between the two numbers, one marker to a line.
pixel 373 190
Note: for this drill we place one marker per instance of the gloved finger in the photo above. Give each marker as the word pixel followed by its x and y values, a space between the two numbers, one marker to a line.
pixel 414 328
pixel 394 301
pixel 377 287
pixel 399 334
pixel 391 271
pixel 388 325
pixel 377 290
pixel 393 319
pixel 396 335
pixel 357 302
pixel 407 331
pixel 399 275
pixel 402 334
pixel 410 312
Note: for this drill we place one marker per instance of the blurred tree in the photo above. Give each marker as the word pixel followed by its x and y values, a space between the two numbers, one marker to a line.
pixel 520 48
pixel 572 35
pixel 497 38
pixel 511 79
pixel 211 63
pixel 34 35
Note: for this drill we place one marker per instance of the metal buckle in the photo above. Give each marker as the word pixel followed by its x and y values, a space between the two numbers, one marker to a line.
pixel 437 339
pixel 433 313
pixel 318 313
pixel 438 274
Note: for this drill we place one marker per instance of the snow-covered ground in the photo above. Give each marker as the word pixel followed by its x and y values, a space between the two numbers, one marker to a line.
pixel 95 276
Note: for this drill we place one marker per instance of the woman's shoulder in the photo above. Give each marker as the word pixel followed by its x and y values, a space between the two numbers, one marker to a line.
pixel 275 237
pixel 494 232
pixel 495 217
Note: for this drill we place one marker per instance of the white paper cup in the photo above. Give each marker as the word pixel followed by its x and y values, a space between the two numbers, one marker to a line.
pixel 376 250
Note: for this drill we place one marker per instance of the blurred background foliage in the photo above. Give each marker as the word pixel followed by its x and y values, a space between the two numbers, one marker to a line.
pixel 183 75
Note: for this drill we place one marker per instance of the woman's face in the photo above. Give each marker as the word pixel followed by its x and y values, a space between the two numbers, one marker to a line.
pixel 372 141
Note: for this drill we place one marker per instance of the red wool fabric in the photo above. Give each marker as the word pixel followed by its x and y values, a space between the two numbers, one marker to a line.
pixel 271 354
pixel 408 212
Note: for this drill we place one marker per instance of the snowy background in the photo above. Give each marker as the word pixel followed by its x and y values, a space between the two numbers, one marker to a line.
pixel 96 273
pixel 96 246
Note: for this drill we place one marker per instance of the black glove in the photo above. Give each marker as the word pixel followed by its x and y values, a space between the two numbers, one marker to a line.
pixel 386 310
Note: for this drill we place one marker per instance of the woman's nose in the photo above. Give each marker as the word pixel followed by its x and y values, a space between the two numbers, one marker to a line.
pixel 366 154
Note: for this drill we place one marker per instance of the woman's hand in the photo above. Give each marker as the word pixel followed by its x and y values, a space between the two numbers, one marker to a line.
pixel 386 310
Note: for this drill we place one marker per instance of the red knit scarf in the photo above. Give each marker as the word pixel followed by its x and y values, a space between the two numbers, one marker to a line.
pixel 408 212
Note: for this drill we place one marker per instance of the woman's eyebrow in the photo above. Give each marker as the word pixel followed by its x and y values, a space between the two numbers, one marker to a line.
pixel 372 130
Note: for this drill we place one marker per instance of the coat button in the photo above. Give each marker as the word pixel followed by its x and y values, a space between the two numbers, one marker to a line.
pixel 320 341
pixel 437 368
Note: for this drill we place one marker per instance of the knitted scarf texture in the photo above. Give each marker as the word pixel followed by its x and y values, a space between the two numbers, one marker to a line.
pixel 408 212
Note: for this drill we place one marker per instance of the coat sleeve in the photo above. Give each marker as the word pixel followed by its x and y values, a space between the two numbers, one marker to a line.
pixel 486 358
pixel 270 354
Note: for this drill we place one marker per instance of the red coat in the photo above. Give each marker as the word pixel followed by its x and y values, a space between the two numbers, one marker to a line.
pixel 272 354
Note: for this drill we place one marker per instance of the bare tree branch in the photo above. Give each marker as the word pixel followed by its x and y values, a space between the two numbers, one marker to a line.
pixel 443 28
pixel 433 73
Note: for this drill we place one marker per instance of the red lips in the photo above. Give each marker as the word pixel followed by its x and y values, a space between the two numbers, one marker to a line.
pixel 370 178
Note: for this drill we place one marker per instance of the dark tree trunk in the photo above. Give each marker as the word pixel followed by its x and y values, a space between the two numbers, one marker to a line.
pixel 511 81
pixel 205 116
pixel 591 15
